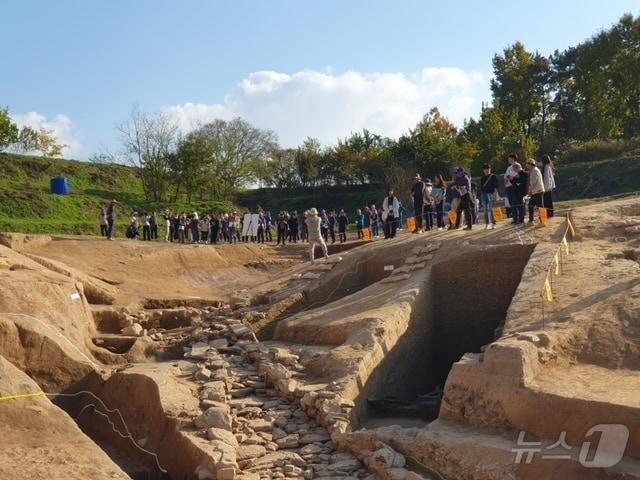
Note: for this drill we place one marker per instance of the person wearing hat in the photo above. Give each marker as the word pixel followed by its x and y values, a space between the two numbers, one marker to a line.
pixel 488 191
pixel 313 223
pixel 417 196
pixel 536 188
pixel 111 218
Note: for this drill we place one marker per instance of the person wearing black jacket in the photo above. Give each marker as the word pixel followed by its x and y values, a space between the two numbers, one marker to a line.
pixel 519 183
pixel 488 190
pixel 417 196
pixel 332 225
pixel 215 229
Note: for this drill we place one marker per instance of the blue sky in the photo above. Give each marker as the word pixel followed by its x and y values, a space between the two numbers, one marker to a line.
pixel 320 69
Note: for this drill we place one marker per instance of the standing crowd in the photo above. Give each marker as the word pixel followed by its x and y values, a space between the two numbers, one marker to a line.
pixel 457 199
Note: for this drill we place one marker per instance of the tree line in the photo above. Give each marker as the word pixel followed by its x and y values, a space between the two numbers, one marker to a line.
pixel 540 104
pixel 570 99
pixel 26 139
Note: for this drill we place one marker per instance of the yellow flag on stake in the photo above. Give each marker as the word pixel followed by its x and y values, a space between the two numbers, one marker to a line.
pixel 498 215
pixel 544 217
pixel 411 223
pixel 367 234
pixel 453 217
pixel 547 290
pixel 556 260
pixel 565 244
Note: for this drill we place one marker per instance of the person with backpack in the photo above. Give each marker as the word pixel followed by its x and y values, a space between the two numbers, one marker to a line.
pixel 343 221
pixel 390 214
pixel 488 192
pixel 417 197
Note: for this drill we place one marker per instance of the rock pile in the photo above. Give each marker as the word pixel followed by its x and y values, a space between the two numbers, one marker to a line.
pixel 251 431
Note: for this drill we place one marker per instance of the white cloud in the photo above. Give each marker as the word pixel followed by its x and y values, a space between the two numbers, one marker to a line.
pixel 330 106
pixel 61 125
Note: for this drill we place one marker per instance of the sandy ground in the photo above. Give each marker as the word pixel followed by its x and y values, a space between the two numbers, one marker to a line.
pixel 172 271
pixel 588 351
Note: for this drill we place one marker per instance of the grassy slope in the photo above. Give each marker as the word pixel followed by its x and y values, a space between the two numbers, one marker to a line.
pixel 27 206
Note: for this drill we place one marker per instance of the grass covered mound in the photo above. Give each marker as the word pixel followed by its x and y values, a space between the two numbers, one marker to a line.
pixel 26 204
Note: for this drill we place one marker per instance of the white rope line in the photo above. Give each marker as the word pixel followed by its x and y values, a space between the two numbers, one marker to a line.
pixel 126 435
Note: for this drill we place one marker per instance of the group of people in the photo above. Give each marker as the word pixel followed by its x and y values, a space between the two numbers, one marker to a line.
pixel 529 185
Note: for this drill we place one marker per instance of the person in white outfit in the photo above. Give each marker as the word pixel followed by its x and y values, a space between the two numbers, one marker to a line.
pixel 390 214
pixel 314 222
pixel 549 184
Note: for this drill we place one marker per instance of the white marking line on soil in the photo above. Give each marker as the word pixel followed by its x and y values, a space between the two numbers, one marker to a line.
pixel 56 332
pixel 105 415
pixel 388 267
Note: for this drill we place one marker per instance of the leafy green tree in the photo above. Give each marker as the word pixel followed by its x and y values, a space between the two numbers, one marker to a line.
pixel 596 84
pixel 9 131
pixel 234 151
pixel 520 85
pixel 280 169
pixel 307 159
pixel 432 147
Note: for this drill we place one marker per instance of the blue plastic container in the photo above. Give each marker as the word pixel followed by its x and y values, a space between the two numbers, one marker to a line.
pixel 61 185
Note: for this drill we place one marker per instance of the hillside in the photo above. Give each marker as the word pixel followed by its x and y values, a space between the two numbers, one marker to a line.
pixel 27 206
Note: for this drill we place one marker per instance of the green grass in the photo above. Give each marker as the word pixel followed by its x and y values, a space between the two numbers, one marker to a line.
pixel 27 206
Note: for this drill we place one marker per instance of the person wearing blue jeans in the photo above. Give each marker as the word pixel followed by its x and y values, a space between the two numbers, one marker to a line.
pixel 488 189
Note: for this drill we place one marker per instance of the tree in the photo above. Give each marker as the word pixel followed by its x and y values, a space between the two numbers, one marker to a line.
pixel 149 141
pixel 26 139
pixel 307 158
pixel 9 131
pixel 597 87
pixel 520 85
pixel 432 147
pixel 280 170
pixel 233 154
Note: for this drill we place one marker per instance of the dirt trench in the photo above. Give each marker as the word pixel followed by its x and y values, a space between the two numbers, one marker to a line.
pixel 462 309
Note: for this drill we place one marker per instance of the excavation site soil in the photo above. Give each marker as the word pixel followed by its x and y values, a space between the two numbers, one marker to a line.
pixel 511 353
